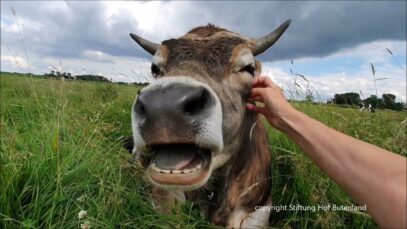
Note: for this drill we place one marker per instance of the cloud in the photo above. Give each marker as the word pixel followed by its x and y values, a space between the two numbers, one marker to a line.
pixel 318 28
pixel 68 28
pixel 326 40
pixel 331 81
pixel 116 68
pixel 17 62
pixel 324 87
pixel 98 56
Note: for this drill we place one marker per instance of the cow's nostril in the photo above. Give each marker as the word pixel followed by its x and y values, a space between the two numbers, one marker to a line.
pixel 139 108
pixel 196 101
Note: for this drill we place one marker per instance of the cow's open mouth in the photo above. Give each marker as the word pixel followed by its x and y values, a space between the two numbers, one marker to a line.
pixel 179 165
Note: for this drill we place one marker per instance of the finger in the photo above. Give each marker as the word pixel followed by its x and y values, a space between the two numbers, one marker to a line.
pixel 267 81
pixel 258 82
pixel 255 108
pixel 263 82
pixel 257 92
pixel 255 80
pixel 257 98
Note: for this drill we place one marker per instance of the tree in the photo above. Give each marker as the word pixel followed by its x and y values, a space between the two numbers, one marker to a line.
pixel 389 101
pixel 339 99
pixel 92 78
pixel 350 98
pixel 309 98
pixel 399 106
pixel 374 101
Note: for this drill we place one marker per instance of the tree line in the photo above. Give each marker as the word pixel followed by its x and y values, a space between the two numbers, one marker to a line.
pixel 387 101
pixel 88 77
pixel 67 75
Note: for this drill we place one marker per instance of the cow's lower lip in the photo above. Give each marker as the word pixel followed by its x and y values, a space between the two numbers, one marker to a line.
pixel 193 172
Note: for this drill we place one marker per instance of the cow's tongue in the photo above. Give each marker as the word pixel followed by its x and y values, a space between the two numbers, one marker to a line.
pixel 168 159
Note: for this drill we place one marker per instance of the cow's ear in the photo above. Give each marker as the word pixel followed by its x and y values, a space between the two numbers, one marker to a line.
pixel 257 71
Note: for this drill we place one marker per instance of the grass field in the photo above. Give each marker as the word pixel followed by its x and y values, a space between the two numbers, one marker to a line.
pixel 61 152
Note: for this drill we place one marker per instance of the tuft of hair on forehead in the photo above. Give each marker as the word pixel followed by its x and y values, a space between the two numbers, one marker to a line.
pixel 212 32
pixel 207 30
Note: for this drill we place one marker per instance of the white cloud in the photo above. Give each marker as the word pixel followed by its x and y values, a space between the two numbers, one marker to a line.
pixel 374 52
pixel 117 68
pixel 155 19
pixel 329 84
pixel 9 28
pixel 97 56
pixel 24 23
pixel 361 80
pixel 83 37
pixel 17 62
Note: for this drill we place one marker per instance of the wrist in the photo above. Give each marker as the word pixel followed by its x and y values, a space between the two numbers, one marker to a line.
pixel 287 119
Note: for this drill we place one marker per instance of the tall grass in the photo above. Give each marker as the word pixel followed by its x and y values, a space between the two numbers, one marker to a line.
pixel 62 153
pixel 22 39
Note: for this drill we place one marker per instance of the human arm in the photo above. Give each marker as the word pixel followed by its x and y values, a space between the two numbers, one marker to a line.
pixel 371 175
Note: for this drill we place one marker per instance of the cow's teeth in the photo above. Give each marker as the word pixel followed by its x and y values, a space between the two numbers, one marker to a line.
pixel 176 171
pixel 166 171
pixel 154 166
pixel 186 171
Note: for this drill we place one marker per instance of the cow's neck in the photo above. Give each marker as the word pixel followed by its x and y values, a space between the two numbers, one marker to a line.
pixel 226 175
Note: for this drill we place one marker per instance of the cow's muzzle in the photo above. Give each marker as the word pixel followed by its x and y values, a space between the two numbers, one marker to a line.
pixel 177 121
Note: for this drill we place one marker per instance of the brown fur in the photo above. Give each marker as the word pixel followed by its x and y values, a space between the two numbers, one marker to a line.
pixel 206 31
pixel 249 178
pixel 213 55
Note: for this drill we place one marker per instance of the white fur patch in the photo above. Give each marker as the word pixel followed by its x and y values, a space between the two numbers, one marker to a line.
pixel 245 58
pixel 242 219
pixel 219 159
pixel 256 219
pixel 137 139
pixel 158 58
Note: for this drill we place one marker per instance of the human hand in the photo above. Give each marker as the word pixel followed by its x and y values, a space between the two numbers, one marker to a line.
pixel 276 106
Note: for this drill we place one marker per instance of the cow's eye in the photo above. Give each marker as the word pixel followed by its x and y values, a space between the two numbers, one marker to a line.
pixel 248 68
pixel 155 70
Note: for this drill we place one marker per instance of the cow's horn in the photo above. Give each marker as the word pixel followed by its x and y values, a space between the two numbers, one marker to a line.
pixel 263 43
pixel 147 45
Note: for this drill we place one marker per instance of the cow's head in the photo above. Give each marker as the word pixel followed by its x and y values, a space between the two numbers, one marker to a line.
pixel 186 123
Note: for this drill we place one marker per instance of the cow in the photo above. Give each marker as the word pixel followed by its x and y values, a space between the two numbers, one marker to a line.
pixel 192 133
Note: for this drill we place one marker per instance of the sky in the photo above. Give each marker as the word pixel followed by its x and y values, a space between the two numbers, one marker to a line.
pixel 331 43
